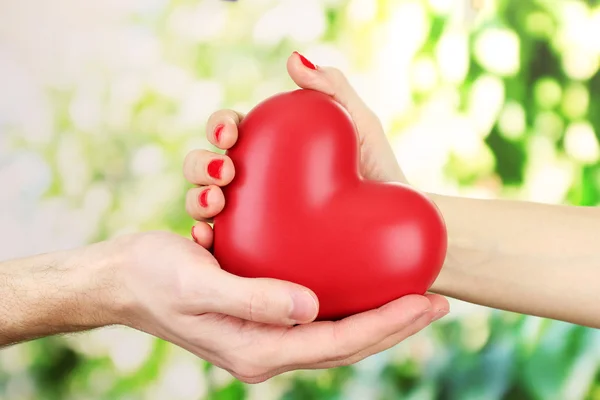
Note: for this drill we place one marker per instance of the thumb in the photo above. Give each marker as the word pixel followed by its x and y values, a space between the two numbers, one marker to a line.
pixel 264 300
pixel 334 83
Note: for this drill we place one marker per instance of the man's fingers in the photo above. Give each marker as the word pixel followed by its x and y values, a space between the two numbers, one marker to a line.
pixel 261 300
pixel 439 308
pixel 335 341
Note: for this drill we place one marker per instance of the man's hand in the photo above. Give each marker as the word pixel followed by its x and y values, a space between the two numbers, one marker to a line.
pixel 172 288
pixel 177 291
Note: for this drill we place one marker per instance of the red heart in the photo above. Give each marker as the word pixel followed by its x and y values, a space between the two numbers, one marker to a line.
pixel 298 210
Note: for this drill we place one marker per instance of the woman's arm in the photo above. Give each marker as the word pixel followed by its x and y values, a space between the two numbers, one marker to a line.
pixel 530 258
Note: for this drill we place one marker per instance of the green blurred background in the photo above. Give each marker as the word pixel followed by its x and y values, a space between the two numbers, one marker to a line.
pixel 100 102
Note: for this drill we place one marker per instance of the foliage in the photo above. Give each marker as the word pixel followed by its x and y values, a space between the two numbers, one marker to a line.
pixel 503 106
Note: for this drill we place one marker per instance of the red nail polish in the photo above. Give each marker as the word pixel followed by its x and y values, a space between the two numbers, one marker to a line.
pixel 214 168
pixel 194 236
pixel 203 198
pixel 218 131
pixel 305 61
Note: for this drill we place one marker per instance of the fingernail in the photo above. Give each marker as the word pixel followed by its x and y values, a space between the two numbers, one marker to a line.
pixel 439 314
pixel 203 199
pixel 218 131
pixel 214 168
pixel 305 61
pixel 304 307
pixel 194 236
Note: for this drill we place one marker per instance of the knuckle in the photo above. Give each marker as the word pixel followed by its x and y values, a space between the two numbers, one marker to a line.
pixel 372 118
pixel 230 115
pixel 214 117
pixel 368 121
pixel 189 206
pixel 338 77
pixel 188 161
pixel 355 358
pixel 256 365
pixel 250 380
pixel 342 350
pixel 222 116
pixel 339 356
pixel 249 373
pixel 270 358
pixel 259 304
pixel 192 162
pixel 191 202
pixel 185 292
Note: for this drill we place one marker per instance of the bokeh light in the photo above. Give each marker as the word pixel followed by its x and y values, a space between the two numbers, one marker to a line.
pixel 100 102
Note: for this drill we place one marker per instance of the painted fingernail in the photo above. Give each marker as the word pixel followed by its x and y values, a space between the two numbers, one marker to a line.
pixel 203 198
pixel 439 314
pixel 305 61
pixel 218 131
pixel 304 307
pixel 194 236
pixel 215 167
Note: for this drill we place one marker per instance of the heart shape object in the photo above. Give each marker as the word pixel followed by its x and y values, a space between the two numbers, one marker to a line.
pixel 298 210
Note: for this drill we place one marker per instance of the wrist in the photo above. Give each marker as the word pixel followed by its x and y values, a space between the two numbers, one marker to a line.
pixel 95 274
pixel 87 279
pixel 55 293
pixel 467 249
pixel 81 287
pixel 446 280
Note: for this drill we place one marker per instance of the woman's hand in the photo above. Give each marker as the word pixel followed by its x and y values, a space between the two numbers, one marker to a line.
pixel 377 160
pixel 210 170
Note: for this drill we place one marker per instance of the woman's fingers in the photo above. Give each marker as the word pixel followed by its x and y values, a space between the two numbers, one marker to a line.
pixel 333 82
pixel 210 170
pixel 202 234
pixel 204 202
pixel 377 159
pixel 203 167
pixel 221 129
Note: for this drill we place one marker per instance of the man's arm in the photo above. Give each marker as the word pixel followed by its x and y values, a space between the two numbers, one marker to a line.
pixel 531 258
pixel 55 293
pixel 172 288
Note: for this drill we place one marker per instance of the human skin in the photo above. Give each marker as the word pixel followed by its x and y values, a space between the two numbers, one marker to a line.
pixel 535 259
pixel 174 289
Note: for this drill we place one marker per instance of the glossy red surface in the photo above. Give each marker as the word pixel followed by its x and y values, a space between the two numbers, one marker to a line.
pixel 299 210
